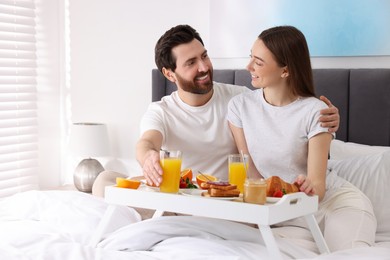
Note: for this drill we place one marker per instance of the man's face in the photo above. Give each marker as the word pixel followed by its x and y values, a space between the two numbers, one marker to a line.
pixel 194 71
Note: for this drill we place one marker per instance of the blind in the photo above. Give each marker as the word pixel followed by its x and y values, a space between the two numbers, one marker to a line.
pixel 18 98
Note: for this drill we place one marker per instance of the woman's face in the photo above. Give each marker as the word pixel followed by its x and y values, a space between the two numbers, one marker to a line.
pixel 263 67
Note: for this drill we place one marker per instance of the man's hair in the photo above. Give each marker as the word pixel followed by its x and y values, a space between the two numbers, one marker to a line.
pixel 175 36
pixel 289 47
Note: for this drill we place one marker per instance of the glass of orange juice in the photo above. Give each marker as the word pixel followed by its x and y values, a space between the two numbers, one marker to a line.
pixel 170 162
pixel 237 170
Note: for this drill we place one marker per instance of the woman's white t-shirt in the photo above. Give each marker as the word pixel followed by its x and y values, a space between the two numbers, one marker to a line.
pixel 277 137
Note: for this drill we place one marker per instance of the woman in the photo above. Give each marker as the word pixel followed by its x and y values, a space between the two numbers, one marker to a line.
pixel 277 124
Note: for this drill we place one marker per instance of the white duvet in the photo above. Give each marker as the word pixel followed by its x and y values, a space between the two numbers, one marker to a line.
pixel 59 225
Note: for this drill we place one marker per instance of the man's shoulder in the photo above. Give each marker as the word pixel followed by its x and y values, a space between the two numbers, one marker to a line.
pixel 165 100
pixel 158 107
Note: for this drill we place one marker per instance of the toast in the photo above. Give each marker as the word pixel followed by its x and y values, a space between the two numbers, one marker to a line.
pixel 224 193
pixel 207 185
pixel 220 189
pixel 227 187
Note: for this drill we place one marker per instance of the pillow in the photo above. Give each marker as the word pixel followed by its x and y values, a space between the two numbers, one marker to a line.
pixel 342 150
pixel 371 174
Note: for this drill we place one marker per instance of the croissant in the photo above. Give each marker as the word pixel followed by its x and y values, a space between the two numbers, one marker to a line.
pixel 275 183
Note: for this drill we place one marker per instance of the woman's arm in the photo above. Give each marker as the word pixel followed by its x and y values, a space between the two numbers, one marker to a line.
pixel 317 161
pixel 239 138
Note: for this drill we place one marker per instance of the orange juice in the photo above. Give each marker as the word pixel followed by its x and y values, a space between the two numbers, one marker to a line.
pixel 171 174
pixel 237 175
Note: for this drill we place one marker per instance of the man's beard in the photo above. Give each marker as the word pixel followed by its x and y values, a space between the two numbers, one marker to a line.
pixel 194 87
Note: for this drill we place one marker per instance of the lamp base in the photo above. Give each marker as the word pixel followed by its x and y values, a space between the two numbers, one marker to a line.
pixel 85 174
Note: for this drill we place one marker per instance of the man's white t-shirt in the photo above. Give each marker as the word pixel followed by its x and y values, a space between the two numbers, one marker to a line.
pixel 201 133
pixel 277 137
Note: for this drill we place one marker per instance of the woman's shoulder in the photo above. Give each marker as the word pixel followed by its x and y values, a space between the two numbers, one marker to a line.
pixel 314 102
pixel 246 95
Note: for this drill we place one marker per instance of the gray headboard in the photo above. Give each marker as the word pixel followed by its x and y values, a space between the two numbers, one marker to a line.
pixel 362 96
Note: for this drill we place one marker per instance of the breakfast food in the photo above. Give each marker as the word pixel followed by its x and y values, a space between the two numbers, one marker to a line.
pixel 255 191
pixel 187 184
pixel 276 187
pixel 126 183
pixel 186 174
pixel 234 192
pixel 208 184
pixel 186 180
pixel 220 189
pixel 201 178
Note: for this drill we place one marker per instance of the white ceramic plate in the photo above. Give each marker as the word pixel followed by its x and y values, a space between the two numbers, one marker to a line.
pixel 191 192
pixel 198 193
pixel 272 199
pixel 143 181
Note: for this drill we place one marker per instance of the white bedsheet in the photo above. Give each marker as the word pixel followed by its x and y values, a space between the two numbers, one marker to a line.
pixel 217 237
pixel 59 224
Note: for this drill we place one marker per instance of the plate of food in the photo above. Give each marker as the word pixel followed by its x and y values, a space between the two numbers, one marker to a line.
pixel 191 192
pixel 204 194
pixel 142 179
pixel 144 183
pixel 215 190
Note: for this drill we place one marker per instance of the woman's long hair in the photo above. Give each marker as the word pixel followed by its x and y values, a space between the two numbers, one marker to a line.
pixel 289 47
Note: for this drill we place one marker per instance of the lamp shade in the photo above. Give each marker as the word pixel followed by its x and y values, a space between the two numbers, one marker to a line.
pixel 89 140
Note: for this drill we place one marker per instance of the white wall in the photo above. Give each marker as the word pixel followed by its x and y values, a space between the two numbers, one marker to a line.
pixel 318 62
pixel 112 54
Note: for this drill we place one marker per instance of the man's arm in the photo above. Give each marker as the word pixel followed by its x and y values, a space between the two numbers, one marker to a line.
pixel 330 117
pixel 148 156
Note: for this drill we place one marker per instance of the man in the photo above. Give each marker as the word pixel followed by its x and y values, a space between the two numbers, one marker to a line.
pixel 192 119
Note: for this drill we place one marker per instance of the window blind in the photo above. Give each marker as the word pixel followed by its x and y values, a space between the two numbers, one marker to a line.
pixel 18 97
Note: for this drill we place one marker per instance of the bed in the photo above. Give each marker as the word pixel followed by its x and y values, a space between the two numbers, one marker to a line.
pixel 59 224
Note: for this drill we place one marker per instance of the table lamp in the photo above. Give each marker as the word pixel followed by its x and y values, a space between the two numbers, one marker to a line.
pixel 88 140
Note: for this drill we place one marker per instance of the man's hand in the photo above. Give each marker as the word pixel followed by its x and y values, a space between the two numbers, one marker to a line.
pixel 152 169
pixel 330 117
pixel 148 156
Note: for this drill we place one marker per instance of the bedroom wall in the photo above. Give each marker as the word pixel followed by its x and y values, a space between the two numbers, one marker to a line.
pixel 111 57
pixel 112 54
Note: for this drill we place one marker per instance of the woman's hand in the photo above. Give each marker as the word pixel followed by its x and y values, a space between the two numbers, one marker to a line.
pixel 305 184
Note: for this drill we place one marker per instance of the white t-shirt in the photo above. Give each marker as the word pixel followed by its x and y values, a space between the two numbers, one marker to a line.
pixel 201 133
pixel 277 137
